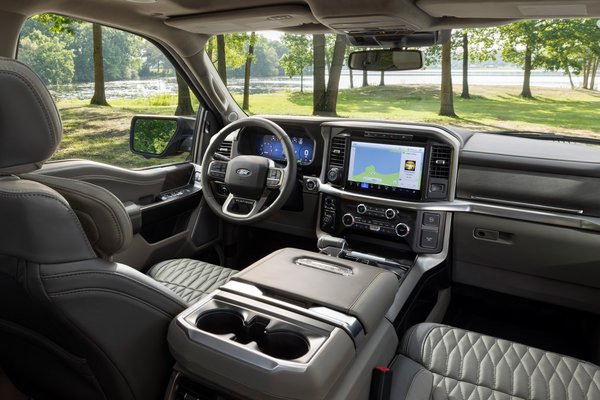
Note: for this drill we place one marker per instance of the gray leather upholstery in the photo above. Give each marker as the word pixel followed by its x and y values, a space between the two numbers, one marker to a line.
pixel 440 362
pixel 72 326
pixel 190 279
pixel 30 134
pixel 102 215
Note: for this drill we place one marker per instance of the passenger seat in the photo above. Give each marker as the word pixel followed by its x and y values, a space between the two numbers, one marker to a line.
pixel 441 362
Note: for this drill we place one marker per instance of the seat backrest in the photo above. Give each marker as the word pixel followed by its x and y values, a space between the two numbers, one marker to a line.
pixel 72 326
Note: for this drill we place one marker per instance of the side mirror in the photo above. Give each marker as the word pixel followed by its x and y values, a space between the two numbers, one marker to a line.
pixel 160 136
pixel 385 60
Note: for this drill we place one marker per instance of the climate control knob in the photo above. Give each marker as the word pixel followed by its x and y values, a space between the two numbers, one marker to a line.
pixel 361 209
pixel 348 220
pixel 390 213
pixel 402 230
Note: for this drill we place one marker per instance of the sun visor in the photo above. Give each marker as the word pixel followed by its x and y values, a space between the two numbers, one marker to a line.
pixel 246 20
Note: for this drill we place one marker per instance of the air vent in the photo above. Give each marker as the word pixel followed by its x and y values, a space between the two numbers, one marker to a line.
pixel 225 148
pixel 441 157
pixel 337 154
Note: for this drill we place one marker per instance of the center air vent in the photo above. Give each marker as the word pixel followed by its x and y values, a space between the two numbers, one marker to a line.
pixel 225 148
pixel 441 157
pixel 337 153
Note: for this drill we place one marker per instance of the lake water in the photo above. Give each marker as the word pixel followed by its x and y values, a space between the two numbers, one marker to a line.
pixel 485 77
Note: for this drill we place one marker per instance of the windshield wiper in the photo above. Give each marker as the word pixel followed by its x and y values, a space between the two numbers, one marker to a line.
pixel 547 136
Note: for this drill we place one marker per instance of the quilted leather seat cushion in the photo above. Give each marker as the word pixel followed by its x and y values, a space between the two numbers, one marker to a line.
pixel 462 365
pixel 190 279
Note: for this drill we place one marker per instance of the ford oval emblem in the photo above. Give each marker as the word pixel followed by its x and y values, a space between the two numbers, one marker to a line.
pixel 243 172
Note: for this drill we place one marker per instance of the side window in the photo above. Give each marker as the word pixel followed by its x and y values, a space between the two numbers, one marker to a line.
pixel 100 79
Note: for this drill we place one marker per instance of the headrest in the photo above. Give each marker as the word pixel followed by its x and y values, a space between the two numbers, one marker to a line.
pixel 101 214
pixel 30 127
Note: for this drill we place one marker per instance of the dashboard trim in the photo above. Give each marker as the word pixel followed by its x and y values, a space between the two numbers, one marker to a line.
pixel 513 212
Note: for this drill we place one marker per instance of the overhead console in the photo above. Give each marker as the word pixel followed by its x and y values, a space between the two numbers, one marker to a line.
pixel 382 181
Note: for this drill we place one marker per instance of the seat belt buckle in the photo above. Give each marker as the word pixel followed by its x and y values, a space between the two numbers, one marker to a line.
pixel 381 383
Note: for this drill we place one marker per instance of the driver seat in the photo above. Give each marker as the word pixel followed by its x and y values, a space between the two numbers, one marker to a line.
pixel 73 324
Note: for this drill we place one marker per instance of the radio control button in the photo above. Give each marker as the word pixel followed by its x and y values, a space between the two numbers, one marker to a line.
pixel 348 220
pixel 361 209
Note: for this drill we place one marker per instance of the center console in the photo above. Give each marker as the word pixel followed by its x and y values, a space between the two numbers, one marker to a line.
pixel 295 325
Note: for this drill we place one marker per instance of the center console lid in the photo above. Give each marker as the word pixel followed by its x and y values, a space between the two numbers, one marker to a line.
pixel 359 290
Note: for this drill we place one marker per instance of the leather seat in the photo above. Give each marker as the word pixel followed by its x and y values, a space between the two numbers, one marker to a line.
pixel 73 324
pixel 190 279
pixel 441 362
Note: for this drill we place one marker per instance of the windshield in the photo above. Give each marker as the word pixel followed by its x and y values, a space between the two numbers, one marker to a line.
pixel 530 76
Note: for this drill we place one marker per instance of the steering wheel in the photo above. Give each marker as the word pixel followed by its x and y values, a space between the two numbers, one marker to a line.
pixel 249 179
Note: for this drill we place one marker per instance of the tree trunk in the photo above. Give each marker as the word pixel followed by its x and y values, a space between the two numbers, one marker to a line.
pixel 568 71
pixel 446 95
pixel 99 97
pixel 365 81
pixel 184 100
pixel 382 79
pixel 593 73
pixel 335 72
pixel 526 92
pixel 221 60
pixel 302 81
pixel 318 73
pixel 249 57
pixel 465 86
pixel 586 73
pixel 351 78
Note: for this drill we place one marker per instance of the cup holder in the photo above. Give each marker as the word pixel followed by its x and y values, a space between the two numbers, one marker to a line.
pixel 221 322
pixel 285 345
pixel 281 343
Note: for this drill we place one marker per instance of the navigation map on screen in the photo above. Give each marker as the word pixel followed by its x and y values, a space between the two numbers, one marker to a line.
pixel 386 165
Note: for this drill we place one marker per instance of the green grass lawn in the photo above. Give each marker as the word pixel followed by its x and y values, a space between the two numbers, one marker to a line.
pixel 102 133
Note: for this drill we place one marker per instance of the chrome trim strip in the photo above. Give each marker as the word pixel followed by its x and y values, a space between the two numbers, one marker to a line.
pixel 568 220
pixel 349 324
pixel 527 205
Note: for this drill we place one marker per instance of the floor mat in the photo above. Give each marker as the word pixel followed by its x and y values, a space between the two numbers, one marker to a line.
pixel 535 324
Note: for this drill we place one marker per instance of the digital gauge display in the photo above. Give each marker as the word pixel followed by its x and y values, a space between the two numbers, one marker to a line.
pixel 269 146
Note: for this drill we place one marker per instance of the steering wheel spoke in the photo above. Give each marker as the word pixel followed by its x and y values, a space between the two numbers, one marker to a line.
pixel 246 208
pixel 275 178
pixel 218 169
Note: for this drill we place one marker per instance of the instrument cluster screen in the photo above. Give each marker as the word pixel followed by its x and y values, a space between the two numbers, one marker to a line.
pixel 269 146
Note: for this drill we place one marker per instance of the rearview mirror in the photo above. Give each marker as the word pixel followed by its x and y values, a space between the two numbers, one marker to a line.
pixel 385 60
pixel 160 136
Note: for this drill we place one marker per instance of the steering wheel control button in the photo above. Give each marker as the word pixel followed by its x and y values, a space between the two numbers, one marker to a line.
pixel 217 169
pixel 431 219
pixel 429 239
pixel 274 178
pixel 402 230
pixel 348 220
pixel 361 209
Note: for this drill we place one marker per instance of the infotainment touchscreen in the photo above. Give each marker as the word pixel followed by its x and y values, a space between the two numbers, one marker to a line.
pixel 382 167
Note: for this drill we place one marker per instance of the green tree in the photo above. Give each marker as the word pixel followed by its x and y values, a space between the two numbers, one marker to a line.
pixel 247 74
pixel 299 56
pixel 325 97
pixel 446 93
pixel 99 97
pixel 48 57
pixel 523 44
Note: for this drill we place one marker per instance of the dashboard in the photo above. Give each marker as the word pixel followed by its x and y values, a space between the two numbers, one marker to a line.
pixel 269 146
